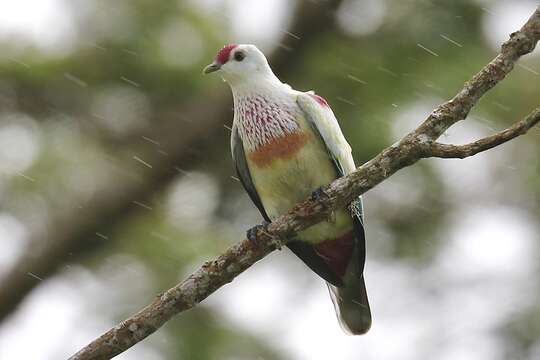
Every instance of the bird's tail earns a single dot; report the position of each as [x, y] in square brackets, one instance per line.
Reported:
[351, 304]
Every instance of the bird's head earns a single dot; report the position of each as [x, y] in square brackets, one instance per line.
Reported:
[237, 63]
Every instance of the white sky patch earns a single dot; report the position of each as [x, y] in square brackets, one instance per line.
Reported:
[293, 313]
[472, 177]
[478, 347]
[418, 313]
[259, 296]
[33, 19]
[446, 310]
[46, 317]
[361, 17]
[63, 314]
[502, 18]
[12, 240]
[401, 191]
[181, 44]
[111, 21]
[260, 22]
[121, 109]
[471, 129]
[19, 143]
[411, 115]
[535, 350]
[495, 240]
[483, 273]
[317, 336]
[192, 201]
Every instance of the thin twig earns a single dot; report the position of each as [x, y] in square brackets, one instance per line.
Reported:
[466, 150]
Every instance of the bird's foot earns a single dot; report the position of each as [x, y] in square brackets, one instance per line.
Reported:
[319, 194]
[253, 233]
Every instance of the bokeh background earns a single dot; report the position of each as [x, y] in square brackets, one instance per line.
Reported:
[116, 179]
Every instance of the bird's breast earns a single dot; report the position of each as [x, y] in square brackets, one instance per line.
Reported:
[279, 148]
[286, 170]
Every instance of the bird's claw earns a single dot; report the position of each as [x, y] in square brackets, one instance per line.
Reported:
[253, 232]
[318, 194]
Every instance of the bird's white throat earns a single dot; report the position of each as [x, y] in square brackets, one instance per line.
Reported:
[264, 112]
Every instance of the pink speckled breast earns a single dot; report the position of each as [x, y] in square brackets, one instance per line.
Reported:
[262, 120]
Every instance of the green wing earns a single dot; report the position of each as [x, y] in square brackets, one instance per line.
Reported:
[324, 124]
[242, 169]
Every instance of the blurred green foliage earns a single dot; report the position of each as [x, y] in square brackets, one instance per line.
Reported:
[122, 59]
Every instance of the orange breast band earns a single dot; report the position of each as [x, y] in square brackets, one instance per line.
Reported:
[278, 148]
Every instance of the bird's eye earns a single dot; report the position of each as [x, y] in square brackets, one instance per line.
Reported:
[239, 56]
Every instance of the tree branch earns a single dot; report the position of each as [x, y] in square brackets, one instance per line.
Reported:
[466, 150]
[520, 43]
[413, 147]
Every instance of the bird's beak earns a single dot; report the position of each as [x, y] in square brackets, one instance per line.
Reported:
[211, 68]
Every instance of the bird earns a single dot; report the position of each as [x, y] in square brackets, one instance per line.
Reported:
[286, 145]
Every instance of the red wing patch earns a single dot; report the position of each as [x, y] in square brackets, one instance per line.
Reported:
[337, 252]
[320, 100]
[223, 55]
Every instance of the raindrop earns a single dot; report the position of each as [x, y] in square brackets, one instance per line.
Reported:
[387, 71]
[102, 236]
[345, 101]
[130, 81]
[291, 34]
[352, 77]
[34, 276]
[130, 52]
[501, 106]
[528, 69]
[142, 205]
[75, 79]
[142, 161]
[19, 62]
[150, 140]
[26, 177]
[450, 40]
[426, 49]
